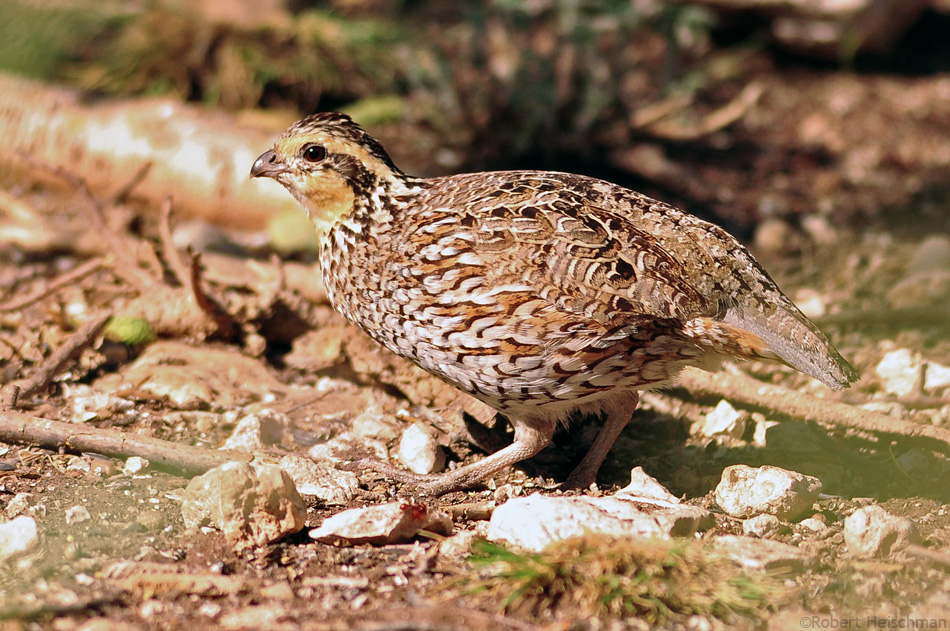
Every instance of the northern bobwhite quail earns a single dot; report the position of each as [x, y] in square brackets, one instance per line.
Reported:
[542, 294]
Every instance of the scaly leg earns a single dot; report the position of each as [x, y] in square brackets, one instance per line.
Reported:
[618, 411]
[531, 436]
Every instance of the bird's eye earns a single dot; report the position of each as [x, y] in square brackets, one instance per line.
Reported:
[314, 153]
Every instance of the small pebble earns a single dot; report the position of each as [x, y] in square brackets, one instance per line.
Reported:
[873, 532]
[77, 515]
[745, 492]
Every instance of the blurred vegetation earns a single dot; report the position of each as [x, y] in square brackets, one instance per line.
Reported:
[496, 79]
[618, 577]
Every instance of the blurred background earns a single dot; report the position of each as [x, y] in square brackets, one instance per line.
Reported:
[808, 115]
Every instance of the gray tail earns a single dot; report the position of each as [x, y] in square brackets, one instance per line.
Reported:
[797, 342]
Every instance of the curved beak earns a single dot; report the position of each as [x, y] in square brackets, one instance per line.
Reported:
[268, 165]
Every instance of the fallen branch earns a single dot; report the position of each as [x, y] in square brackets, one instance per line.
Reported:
[23, 429]
[53, 365]
[72, 276]
[738, 388]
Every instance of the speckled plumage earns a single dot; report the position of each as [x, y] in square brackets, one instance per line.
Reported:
[539, 293]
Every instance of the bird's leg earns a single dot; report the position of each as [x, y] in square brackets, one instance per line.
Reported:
[531, 436]
[618, 412]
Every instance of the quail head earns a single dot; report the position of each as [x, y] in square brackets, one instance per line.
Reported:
[542, 294]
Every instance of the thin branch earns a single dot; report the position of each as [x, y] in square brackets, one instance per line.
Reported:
[23, 429]
[122, 193]
[72, 276]
[169, 251]
[54, 364]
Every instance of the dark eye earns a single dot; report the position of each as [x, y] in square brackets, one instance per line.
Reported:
[314, 153]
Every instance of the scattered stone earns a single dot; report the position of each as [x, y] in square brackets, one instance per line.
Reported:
[725, 420]
[102, 467]
[77, 515]
[252, 504]
[347, 448]
[135, 465]
[762, 427]
[17, 536]
[745, 492]
[762, 526]
[418, 450]
[535, 521]
[684, 520]
[813, 524]
[19, 505]
[459, 545]
[89, 405]
[259, 428]
[900, 372]
[384, 524]
[810, 302]
[645, 487]
[936, 377]
[873, 532]
[370, 424]
[762, 554]
[319, 479]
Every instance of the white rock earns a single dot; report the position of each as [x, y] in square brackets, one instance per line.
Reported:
[873, 532]
[346, 448]
[370, 424]
[252, 504]
[746, 492]
[319, 479]
[936, 377]
[900, 372]
[762, 554]
[810, 302]
[535, 521]
[724, 420]
[19, 505]
[761, 526]
[77, 515]
[644, 486]
[762, 426]
[385, 524]
[418, 450]
[259, 428]
[17, 536]
[813, 524]
[135, 465]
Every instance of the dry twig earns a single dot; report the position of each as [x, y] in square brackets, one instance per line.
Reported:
[72, 276]
[54, 364]
[23, 429]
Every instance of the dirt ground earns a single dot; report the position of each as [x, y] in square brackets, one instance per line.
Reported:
[835, 179]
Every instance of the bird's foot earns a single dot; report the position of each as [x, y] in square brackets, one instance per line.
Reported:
[413, 484]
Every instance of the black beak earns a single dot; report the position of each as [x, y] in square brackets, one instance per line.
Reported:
[268, 165]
